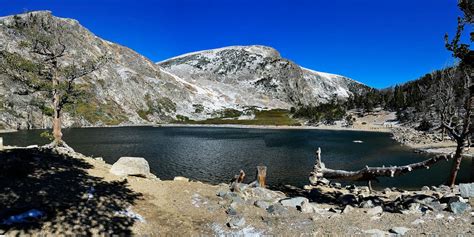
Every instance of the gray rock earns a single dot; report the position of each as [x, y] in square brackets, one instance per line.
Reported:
[417, 221]
[294, 202]
[413, 208]
[233, 197]
[351, 186]
[238, 187]
[306, 207]
[262, 204]
[136, 166]
[231, 211]
[347, 209]
[455, 199]
[459, 207]
[181, 178]
[236, 222]
[437, 206]
[375, 211]
[466, 190]
[364, 189]
[277, 209]
[336, 185]
[425, 188]
[323, 181]
[221, 193]
[332, 209]
[376, 232]
[367, 204]
[399, 230]
[259, 193]
[444, 189]
[348, 199]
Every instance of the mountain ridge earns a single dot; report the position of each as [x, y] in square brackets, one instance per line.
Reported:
[131, 89]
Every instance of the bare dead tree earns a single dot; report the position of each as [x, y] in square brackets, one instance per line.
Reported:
[368, 173]
[462, 129]
[444, 99]
[45, 39]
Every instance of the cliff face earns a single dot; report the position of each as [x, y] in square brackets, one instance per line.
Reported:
[130, 89]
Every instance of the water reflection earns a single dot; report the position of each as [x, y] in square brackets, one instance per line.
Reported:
[217, 154]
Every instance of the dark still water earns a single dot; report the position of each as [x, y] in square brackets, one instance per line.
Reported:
[216, 154]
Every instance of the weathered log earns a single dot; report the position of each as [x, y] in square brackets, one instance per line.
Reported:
[240, 178]
[369, 173]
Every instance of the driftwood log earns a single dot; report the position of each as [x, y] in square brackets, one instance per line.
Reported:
[369, 173]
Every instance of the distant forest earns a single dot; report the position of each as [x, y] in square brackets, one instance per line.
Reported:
[419, 101]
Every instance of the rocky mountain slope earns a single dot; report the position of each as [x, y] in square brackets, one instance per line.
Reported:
[257, 76]
[130, 89]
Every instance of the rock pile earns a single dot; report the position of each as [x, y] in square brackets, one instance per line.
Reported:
[335, 199]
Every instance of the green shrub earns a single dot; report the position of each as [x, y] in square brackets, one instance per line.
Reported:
[198, 108]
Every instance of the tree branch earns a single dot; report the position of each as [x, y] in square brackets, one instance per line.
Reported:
[371, 173]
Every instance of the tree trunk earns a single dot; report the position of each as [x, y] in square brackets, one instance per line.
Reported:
[456, 165]
[57, 134]
[465, 134]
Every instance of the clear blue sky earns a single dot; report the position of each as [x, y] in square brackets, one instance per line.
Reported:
[377, 42]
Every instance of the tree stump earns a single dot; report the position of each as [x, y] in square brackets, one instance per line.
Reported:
[261, 175]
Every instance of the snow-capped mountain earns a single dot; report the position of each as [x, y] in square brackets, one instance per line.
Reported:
[259, 76]
[130, 89]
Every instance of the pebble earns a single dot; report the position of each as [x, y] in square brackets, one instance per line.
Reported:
[417, 222]
[181, 178]
[236, 222]
[277, 209]
[348, 199]
[306, 208]
[425, 188]
[231, 211]
[348, 209]
[367, 204]
[375, 210]
[336, 185]
[294, 202]
[399, 230]
[261, 204]
[376, 232]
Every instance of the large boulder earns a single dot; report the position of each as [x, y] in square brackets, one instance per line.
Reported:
[136, 166]
[467, 190]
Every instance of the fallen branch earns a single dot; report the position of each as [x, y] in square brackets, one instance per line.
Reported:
[369, 173]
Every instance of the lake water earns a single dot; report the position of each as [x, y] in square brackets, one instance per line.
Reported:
[216, 154]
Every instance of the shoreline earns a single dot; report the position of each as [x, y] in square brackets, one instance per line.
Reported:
[147, 205]
[276, 127]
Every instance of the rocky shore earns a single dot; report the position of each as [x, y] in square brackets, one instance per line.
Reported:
[426, 142]
[76, 194]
